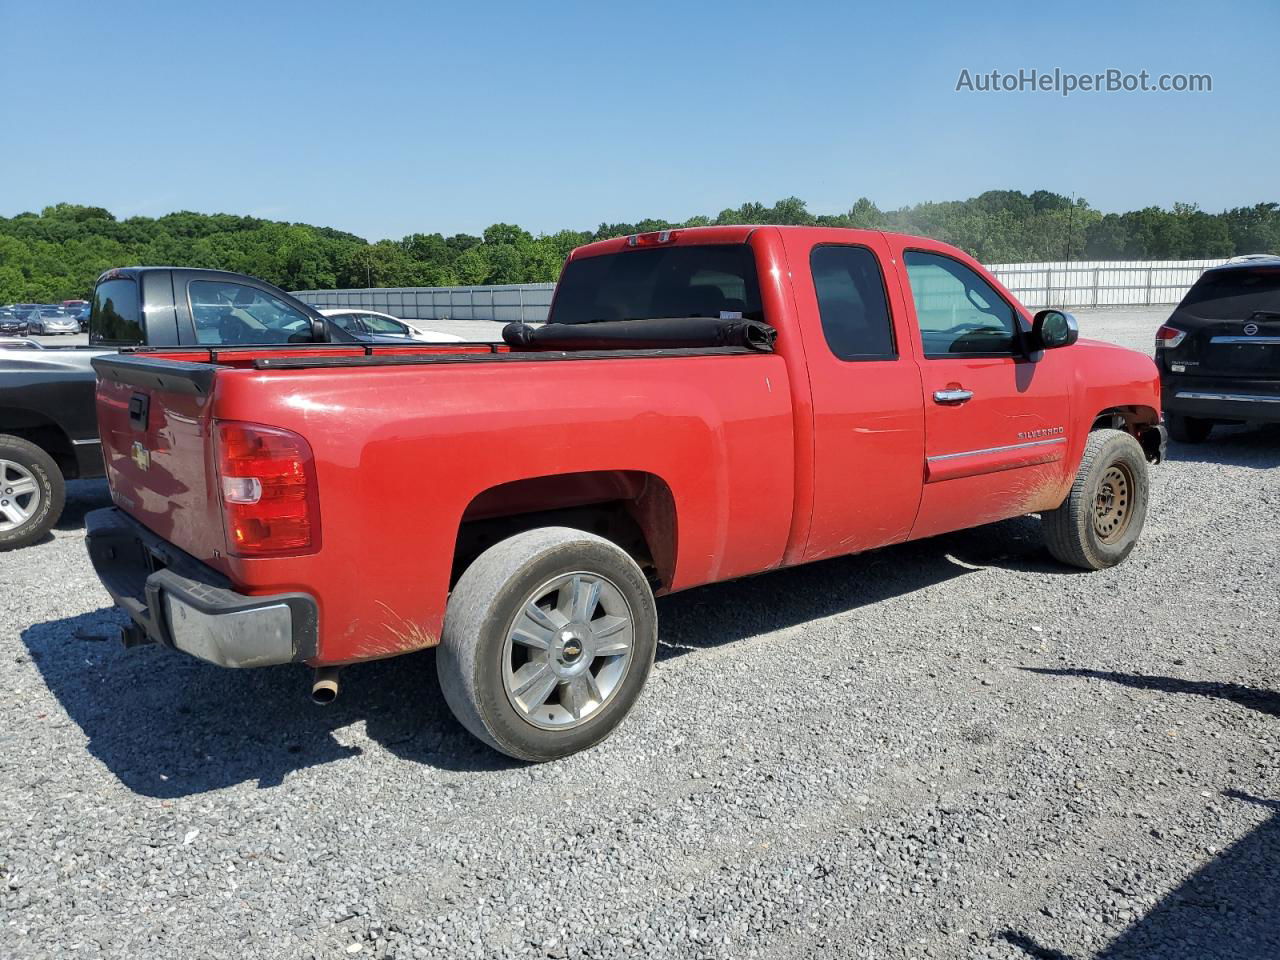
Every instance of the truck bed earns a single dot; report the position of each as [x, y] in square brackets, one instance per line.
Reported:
[411, 443]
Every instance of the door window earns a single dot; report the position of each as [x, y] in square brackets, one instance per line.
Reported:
[959, 313]
[226, 313]
[851, 302]
[376, 324]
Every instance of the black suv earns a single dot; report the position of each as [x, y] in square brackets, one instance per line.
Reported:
[1219, 352]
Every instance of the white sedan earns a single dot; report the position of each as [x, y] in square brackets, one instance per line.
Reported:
[369, 323]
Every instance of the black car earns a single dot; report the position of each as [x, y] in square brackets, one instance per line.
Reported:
[1219, 352]
[13, 324]
[48, 435]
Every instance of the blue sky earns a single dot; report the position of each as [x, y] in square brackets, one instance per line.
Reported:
[386, 118]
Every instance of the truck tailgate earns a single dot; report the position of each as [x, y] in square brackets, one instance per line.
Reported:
[155, 419]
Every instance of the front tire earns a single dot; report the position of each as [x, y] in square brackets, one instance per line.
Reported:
[1188, 429]
[1099, 523]
[32, 492]
[548, 639]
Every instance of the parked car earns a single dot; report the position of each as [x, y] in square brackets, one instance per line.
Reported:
[169, 306]
[1219, 352]
[652, 437]
[48, 435]
[13, 324]
[363, 324]
[48, 322]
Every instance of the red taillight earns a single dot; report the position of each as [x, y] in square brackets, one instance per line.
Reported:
[651, 239]
[1169, 337]
[267, 484]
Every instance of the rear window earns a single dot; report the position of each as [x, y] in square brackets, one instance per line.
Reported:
[114, 316]
[1233, 294]
[692, 281]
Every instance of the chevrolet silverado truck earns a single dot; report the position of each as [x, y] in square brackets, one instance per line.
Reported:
[703, 404]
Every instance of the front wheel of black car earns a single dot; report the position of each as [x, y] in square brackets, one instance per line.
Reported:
[1188, 429]
[1099, 523]
[548, 639]
[32, 492]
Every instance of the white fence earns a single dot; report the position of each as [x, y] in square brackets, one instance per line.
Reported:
[510, 302]
[1097, 283]
[1101, 283]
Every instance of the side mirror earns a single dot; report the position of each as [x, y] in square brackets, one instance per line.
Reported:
[319, 331]
[1052, 329]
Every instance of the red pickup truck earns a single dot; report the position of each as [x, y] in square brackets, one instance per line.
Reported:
[520, 504]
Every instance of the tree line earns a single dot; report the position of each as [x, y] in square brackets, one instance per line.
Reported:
[58, 253]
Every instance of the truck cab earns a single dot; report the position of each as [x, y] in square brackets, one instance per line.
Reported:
[182, 306]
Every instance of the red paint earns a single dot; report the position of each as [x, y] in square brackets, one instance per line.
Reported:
[733, 464]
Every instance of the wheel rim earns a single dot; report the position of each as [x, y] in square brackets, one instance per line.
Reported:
[1113, 506]
[568, 650]
[19, 495]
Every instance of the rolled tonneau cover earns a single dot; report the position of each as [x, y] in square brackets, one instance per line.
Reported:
[665, 332]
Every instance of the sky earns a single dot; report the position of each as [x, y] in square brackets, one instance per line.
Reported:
[390, 118]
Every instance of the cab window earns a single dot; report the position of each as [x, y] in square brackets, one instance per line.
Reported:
[226, 313]
[851, 302]
[959, 313]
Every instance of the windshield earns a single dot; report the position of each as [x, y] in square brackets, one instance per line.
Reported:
[1234, 294]
[690, 281]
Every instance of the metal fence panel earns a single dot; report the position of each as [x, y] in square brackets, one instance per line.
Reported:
[1080, 283]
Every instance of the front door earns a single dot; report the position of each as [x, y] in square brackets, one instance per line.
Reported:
[996, 418]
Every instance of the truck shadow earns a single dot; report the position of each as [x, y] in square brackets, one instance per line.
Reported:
[719, 614]
[1227, 908]
[167, 725]
[82, 496]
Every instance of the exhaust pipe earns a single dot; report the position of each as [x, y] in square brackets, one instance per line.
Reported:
[324, 690]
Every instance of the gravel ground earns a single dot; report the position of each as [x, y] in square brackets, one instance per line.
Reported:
[948, 749]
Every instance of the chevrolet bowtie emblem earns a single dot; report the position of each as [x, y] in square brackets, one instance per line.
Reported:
[140, 455]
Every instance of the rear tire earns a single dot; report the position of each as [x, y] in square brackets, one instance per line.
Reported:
[32, 492]
[518, 661]
[1188, 429]
[1099, 523]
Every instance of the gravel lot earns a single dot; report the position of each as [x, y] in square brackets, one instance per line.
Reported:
[947, 749]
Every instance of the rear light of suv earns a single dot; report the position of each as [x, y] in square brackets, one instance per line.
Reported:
[267, 483]
[1168, 337]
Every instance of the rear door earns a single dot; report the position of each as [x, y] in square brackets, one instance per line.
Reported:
[868, 417]
[996, 419]
[1232, 321]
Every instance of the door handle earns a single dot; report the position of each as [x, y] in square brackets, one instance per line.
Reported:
[952, 396]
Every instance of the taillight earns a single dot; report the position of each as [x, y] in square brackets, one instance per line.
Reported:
[1169, 337]
[267, 484]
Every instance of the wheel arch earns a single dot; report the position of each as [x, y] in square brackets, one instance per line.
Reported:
[1140, 421]
[45, 433]
[634, 509]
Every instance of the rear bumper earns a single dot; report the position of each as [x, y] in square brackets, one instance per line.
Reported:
[1219, 399]
[175, 600]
